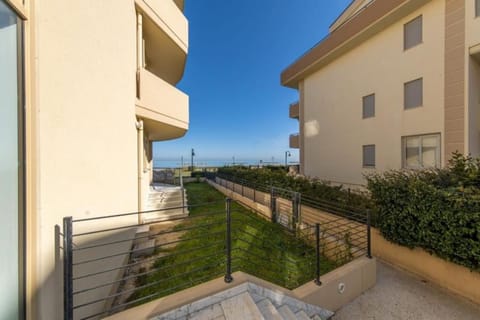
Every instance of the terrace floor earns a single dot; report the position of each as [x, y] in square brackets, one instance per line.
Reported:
[401, 295]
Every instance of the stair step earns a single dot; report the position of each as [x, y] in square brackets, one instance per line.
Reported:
[143, 248]
[301, 315]
[141, 234]
[211, 312]
[286, 313]
[164, 215]
[241, 307]
[268, 310]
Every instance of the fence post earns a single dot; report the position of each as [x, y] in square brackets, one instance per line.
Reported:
[183, 199]
[317, 247]
[228, 274]
[273, 205]
[67, 268]
[295, 209]
[369, 239]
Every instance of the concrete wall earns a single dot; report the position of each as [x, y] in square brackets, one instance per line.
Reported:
[334, 230]
[451, 276]
[357, 276]
[333, 128]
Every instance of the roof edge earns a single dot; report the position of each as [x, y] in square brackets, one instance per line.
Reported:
[373, 15]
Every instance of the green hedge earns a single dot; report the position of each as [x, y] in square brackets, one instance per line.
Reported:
[314, 190]
[438, 210]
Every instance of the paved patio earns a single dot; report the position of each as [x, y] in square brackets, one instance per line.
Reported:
[400, 295]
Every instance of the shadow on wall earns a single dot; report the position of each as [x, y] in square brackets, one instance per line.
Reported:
[97, 261]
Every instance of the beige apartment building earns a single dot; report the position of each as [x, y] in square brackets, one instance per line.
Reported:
[395, 84]
[85, 87]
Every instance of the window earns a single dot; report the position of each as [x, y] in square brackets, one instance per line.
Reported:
[11, 165]
[421, 151]
[412, 33]
[413, 94]
[369, 106]
[477, 8]
[369, 156]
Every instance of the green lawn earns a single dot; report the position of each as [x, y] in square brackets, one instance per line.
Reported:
[259, 248]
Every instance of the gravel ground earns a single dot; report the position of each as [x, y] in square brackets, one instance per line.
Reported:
[400, 295]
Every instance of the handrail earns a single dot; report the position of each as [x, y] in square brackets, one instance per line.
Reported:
[232, 247]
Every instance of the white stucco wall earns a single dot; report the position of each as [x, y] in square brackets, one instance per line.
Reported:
[86, 135]
[333, 126]
[472, 82]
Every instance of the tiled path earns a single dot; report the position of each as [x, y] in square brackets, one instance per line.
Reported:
[402, 296]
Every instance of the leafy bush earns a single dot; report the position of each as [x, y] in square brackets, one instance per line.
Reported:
[313, 190]
[438, 210]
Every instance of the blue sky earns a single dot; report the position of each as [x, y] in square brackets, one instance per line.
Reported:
[237, 51]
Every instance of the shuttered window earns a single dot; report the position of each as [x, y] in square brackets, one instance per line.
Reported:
[369, 156]
[413, 94]
[368, 110]
[412, 33]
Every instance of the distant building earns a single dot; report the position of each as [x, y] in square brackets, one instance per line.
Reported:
[85, 87]
[395, 84]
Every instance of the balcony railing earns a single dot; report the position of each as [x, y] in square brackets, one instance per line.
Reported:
[294, 110]
[164, 108]
[167, 15]
[295, 141]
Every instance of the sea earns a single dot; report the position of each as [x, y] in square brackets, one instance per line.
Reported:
[215, 163]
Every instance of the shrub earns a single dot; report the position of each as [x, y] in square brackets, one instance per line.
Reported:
[313, 190]
[438, 210]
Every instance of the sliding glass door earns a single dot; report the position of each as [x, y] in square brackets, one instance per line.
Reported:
[11, 166]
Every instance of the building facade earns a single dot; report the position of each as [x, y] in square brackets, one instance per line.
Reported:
[395, 84]
[85, 87]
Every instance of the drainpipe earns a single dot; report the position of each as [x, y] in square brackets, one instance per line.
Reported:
[139, 125]
[140, 51]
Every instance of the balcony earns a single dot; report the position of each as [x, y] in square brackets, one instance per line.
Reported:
[295, 141]
[165, 37]
[162, 107]
[294, 110]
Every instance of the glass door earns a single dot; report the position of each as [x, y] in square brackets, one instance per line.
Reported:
[11, 166]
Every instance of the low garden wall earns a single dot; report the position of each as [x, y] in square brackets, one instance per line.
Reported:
[448, 275]
[451, 276]
[334, 229]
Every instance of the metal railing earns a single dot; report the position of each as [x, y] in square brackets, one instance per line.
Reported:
[344, 231]
[106, 269]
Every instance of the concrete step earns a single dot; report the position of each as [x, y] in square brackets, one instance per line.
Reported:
[301, 315]
[163, 215]
[247, 301]
[268, 310]
[286, 313]
[144, 248]
[241, 307]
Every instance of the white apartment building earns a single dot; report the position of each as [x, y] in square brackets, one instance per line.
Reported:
[85, 87]
[395, 84]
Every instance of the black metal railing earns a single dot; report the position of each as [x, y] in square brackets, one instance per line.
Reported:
[112, 263]
[343, 232]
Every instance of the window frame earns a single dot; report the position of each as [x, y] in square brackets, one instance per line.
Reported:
[363, 106]
[405, 26]
[365, 165]
[438, 153]
[405, 94]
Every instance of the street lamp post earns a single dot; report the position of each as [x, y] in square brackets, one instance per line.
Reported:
[287, 154]
[193, 154]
